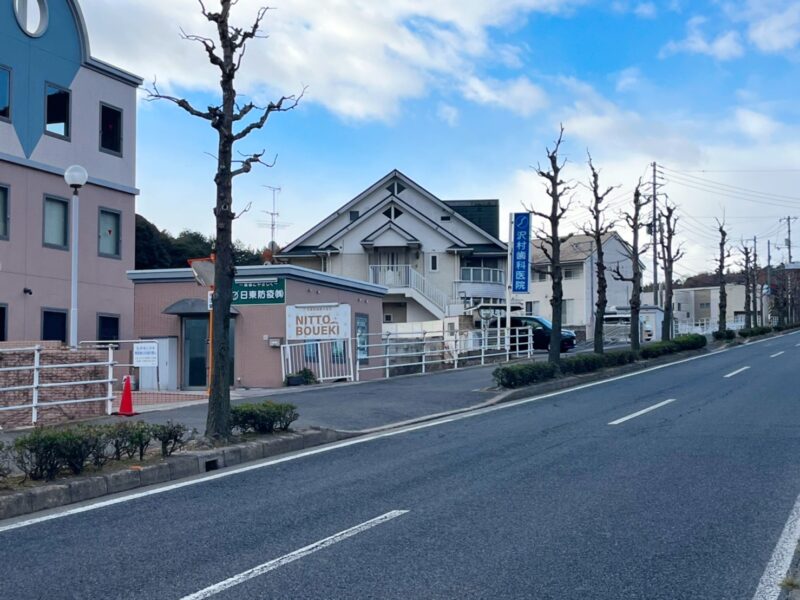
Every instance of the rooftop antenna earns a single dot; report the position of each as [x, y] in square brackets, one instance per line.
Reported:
[273, 224]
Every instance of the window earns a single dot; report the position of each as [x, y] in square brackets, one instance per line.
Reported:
[3, 213]
[542, 276]
[5, 93]
[387, 318]
[108, 233]
[110, 129]
[54, 325]
[567, 311]
[445, 217]
[311, 351]
[353, 215]
[572, 273]
[393, 212]
[705, 305]
[57, 111]
[3, 322]
[56, 223]
[532, 308]
[107, 327]
[434, 262]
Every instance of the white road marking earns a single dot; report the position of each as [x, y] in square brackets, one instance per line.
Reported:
[292, 556]
[769, 587]
[641, 412]
[736, 372]
[58, 513]
[777, 354]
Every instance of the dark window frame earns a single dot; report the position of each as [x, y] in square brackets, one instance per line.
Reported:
[58, 136]
[64, 311]
[4, 323]
[101, 210]
[10, 88]
[354, 215]
[434, 259]
[67, 226]
[7, 217]
[102, 148]
[108, 316]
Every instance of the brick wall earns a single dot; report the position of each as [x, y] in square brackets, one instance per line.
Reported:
[52, 354]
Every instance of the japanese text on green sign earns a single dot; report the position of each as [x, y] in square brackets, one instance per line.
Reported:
[259, 292]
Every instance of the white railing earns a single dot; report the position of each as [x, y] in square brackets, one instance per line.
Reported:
[405, 353]
[329, 360]
[403, 276]
[482, 275]
[36, 385]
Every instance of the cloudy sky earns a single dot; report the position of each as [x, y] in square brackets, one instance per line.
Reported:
[464, 96]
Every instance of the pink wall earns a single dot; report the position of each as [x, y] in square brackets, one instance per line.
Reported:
[256, 364]
[26, 263]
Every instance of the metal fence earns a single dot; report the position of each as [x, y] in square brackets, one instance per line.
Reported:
[36, 386]
[405, 353]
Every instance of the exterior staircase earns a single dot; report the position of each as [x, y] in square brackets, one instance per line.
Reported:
[402, 279]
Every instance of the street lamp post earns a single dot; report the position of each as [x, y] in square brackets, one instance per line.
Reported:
[76, 177]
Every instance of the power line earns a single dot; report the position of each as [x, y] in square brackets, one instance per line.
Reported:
[731, 195]
[710, 182]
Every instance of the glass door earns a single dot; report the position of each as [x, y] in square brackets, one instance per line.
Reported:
[195, 352]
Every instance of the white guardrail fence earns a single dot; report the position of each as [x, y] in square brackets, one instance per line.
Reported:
[404, 353]
[36, 386]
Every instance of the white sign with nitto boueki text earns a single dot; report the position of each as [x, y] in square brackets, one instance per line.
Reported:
[318, 322]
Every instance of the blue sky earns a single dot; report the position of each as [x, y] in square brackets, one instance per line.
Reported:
[464, 96]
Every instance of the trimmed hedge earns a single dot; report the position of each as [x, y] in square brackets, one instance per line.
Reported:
[263, 418]
[754, 331]
[728, 334]
[691, 341]
[45, 453]
[514, 376]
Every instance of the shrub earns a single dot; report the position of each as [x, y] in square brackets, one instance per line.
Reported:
[754, 331]
[691, 341]
[657, 349]
[130, 439]
[259, 418]
[171, 435]
[74, 449]
[582, 363]
[617, 358]
[287, 414]
[5, 458]
[728, 334]
[514, 376]
[97, 440]
[38, 454]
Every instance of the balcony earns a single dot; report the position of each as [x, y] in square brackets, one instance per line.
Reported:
[480, 282]
[404, 277]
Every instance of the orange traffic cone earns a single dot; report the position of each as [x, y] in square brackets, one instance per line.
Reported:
[126, 405]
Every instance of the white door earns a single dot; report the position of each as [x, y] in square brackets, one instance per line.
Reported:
[165, 377]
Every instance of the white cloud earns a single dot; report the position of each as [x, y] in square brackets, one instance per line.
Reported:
[755, 124]
[447, 113]
[361, 59]
[628, 79]
[518, 95]
[645, 10]
[776, 31]
[725, 46]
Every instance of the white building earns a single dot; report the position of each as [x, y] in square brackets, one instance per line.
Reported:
[578, 260]
[697, 309]
[436, 257]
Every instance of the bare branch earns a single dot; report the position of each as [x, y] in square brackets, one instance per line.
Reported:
[248, 162]
[293, 101]
[154, 94]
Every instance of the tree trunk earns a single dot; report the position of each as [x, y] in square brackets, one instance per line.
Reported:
[666, 325]
[602, 296]
[723, 294]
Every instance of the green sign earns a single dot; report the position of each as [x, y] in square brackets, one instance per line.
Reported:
[264, 291]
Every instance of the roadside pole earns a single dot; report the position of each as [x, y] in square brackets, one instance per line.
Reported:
[509, 258]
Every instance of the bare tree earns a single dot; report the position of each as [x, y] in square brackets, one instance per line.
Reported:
[233, 122]
[724, 255]
[746, 264]
[597, 230]
[634, 221]
[669, 256]
[551, 239]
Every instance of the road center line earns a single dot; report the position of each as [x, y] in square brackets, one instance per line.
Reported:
[641, 412]
[736, 372]
[777, 354]
[292, 556]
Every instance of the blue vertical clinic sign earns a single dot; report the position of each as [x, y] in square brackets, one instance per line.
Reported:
[520, 265]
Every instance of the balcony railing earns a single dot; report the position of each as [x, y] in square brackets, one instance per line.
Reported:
[403, 276]
[482, 275]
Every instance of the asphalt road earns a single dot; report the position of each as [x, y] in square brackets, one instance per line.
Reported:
[544, 499]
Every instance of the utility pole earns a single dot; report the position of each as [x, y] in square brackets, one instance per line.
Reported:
[655, 234]
[759, 320]
[790, 279]
[769, 277]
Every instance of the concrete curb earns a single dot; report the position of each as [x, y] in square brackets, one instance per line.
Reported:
[178, 466]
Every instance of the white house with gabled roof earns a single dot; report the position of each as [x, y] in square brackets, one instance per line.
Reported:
[437, 257]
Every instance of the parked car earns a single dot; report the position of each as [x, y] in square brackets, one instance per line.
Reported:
[541, 333]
